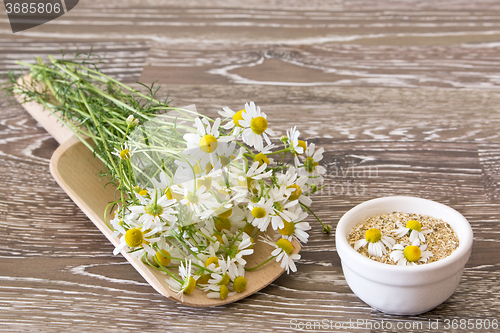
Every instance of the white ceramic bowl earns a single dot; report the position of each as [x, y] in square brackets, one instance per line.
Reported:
[404, 290]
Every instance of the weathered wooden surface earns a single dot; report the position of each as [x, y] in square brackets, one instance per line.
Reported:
[402, 95]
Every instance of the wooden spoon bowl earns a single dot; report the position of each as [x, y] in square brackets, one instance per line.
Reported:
[76, 170]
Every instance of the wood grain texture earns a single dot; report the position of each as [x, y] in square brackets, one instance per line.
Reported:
[402, 64]
[122, 59]
[403, 95]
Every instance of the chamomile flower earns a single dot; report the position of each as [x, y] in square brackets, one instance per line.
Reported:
[166, 254]
[237, 219]
[297, 184]
[210, 265]
[164, 182]
[210, 251]
[228, 221]
[281, 206]
[228, 152]
[310, 166]
[239, 282]
[298, 146]
[241, 249]
[135, 238]
[221, 274]
[125, 152]
[409, 255]
[414, 228]
[261, 213]
[283, 252]
[176, 192]
[262, 158]
[203, 145]
[185, 174]
[200, 201]
[223, 223]
[255, 127]
[122, 221]
[234, 122]
[376, 242]
[132, 121]
[188, 282]
[248, 181]
[257, 172]
[296, 228]
[218, 291]
[155, 212]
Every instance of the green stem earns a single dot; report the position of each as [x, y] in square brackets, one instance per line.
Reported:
[317, 218]
[279, 151]
[260, 265]
[98, 125]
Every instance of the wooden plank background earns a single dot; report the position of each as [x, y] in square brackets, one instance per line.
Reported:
[403, 95]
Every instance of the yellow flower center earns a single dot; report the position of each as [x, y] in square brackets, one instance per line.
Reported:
[288, 229]
[240, 284]
[134, 237]
[168, 193]
[249, 229]
[226, 214]
[208, 167]
[261, 158]
[224, 160]
[154, 209]
[163, 257]
[207, 182]
[225, 280]
[223, 292]
[412, 253]
[309, 164]
[258, 125]
[208, 143]
[296, 193]
[303, 145]
[143, 193]
[414, 225]
[278, 206]
[251, 241]
[192, 198]
[258, 212]
[373, 235]
[285, 245]
[237, 117]
[244, 182]
[175, 195]
[191, 284]
[221, 224]
[125, 154]
[212, 260]
[197, 169]
[219, 237]
[203, 279]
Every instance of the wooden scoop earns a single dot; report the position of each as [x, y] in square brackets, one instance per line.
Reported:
[76, 170]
